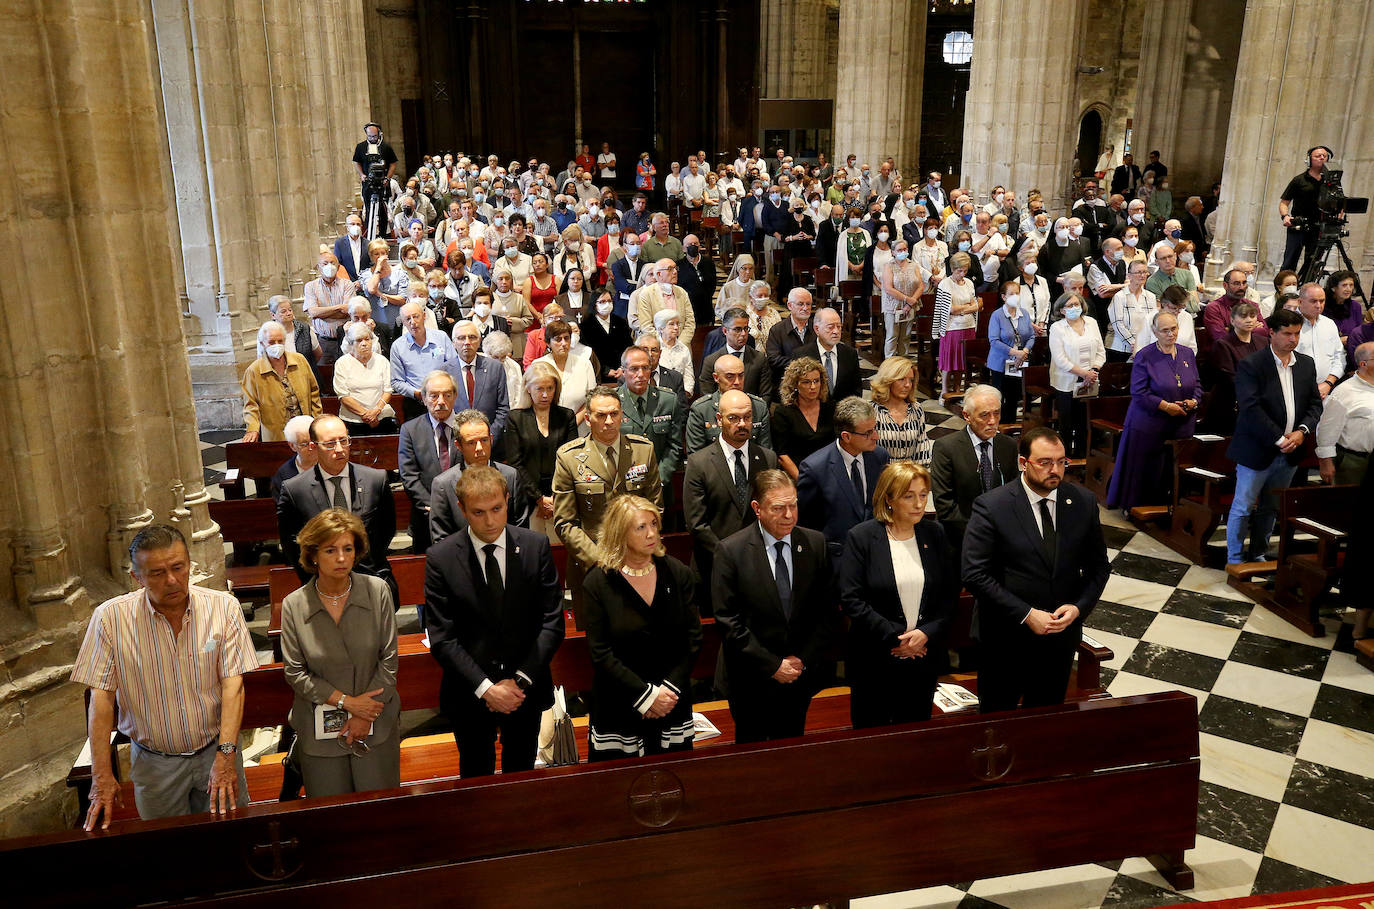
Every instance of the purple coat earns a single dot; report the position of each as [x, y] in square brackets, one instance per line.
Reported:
[1138, 477]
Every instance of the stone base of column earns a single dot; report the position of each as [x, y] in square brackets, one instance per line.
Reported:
[218, 394]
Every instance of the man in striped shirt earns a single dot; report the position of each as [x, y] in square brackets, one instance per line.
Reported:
[172, 657]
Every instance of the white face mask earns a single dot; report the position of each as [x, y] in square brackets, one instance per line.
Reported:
[354, 230]
[482, 310]
[573, 245]
[1076, 231]
[759, 302]
[1030, 268]
[1186, 258]
[665, 286]
[882, 236]
[329, 270]
[932, 233]
[1062, 233]
[604, 309]
[411, 263]
[275, 351]
[1013, 300]
[1131, 241]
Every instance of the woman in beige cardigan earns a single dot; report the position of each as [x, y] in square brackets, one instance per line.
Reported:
[277, 386]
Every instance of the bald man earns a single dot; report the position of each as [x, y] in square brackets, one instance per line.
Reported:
[703, 425]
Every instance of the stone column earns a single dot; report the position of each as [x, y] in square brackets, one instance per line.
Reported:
[878, 95]
[793, 58]
[1275, 119]
[1020, 123]
[1163, 52]
[99, 430]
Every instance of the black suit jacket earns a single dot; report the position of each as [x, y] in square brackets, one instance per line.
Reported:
[757, 634]
[781, 345]
[306, 495]
[419, 458]
[284, 473]
[848, 379]
[956, 478]
[829, 502]
[869, 596]
[343, 251]
[758, 378]
[1195, 232]
[1262, 414]
[1122, 178]
[607, 346]
[700, 283]
[712, 509]
[531, 452]
[1006, 568]
[471, 640]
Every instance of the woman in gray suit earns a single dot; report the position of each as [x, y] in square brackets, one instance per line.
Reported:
[339, 647]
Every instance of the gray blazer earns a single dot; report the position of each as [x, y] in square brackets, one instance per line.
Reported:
[445, 517]
[355, 656]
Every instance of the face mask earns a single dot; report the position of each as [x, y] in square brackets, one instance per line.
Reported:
[330, 270]
[968, 218]
[479, 198]
[1249, 279]
[408, 209]
[1137, 218]
[665, 287]
[540, 212]
[592, 211]
[354, 230]
[1186, 258]
[1013, 300]
[1176, 234]
[604, 309]
[1076, 231]
[435, 293]
[482, 310]
[632, 249]
[932, 233]
[692, 250]
[758, 193]
[573, 245]
[1030, 268]
[1002, 228]
[275, 351]
[900, 255]
[882, 236]
[964, 245]
[1115, 256]
[1132, 242]
[759, 302]
[612, 228]
[775, 198]
[411, 263]
[497, 221]
[1072, 312]
[1062, 233]
[815, 204]
[998, 198]
[934, 184]
[512, 252]
[853, 222]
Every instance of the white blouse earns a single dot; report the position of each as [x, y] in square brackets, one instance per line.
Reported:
[369, 384]
[1068, 348]
[911, 576]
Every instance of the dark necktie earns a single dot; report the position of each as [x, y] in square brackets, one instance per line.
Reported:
[496, 589]
[1047, 530]
[741, 477]
[784, 580]
[445, 461]
[340, 500]
[985, 465]
[858, 482]
[469, 383]
[653, 377]
[639, 406]
[830, 370]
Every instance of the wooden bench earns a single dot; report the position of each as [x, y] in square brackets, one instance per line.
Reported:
[331, 404]
[261, 459]
[1306, 571]
[826, 817]
[1204, 479]
[1106, 421]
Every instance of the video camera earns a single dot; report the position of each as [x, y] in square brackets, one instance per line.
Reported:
[1333, 207]
[376, 176]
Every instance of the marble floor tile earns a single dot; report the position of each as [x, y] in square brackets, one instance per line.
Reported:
[1191, 635]
[1235, 818]
[1146, 545]
[1124, 684]
[1211, 581]
[1220, 871]
[1334, 793]
[1338, 746]
[1169, 664]
[1342, 670]
[1280, 691]
[1118, 537]
[1275, 876]
[1243, 767]
[1345, 707]
[1285, 656]
[1146, 568]
[1133, 592]
[1325, 845]
[1121, 645]
[926, 898]
[1252, 723]
[1128, 892]
[1120, 620]
[1208, 608]
[1264, 622]
[977, 902]
[1059, 888]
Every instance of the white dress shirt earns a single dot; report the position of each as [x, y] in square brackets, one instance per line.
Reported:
[1322, 342]
[1347, 418]
[1286, 386]
[849, 462]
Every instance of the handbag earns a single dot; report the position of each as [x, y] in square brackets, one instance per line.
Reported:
[557, 738]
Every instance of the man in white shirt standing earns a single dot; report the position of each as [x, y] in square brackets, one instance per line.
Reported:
[1345, 433]
[1320, 340]
[606, 162]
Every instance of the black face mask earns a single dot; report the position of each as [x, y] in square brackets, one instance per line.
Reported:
[692, 250]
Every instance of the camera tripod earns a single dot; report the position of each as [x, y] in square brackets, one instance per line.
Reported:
[374, 216]
[1327, 240]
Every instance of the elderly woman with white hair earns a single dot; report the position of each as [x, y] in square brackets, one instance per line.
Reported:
[362, 380]
[763, 315]
[360, 310]
[497, 345]
[735, 291]
[1034, 290]
[676, 355]
[300, 335]
[277, 386]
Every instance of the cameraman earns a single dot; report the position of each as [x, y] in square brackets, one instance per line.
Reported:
[1299, 201]
[372, 150]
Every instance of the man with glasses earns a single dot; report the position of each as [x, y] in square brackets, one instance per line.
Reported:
[703, 424]
[335, 483]
[1036, 563]
[758, 377]
[836, 482]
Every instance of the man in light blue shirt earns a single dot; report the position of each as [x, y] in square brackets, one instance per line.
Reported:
[414, 355]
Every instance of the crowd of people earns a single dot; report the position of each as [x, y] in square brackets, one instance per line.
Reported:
[532, 350]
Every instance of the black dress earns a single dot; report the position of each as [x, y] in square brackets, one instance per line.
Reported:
[531, 452]
[635, 646]
[793, 435]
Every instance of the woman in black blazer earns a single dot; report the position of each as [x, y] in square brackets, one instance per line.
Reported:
[532, 437]
[899, 586]
[643, 634]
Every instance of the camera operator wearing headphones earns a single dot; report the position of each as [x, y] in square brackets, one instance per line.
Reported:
[371, 151]
[1299, 204]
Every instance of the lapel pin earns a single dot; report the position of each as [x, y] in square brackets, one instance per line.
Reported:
[1068, 501]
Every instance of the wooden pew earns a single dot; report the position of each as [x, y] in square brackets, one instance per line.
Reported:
[1106, 419]
[261, 459]
[1204, 478]
[1306, 571]
[827, 817]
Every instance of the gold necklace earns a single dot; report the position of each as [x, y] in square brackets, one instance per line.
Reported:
[636, 572]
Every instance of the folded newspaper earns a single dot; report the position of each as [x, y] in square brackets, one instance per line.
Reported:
[951, 698]
[703, 728]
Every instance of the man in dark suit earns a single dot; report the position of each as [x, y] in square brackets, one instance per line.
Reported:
[625, 275]
[335, 483]
[1279, 407]
[758, 377]
[495, 619]
[1194, 228]
[696, 274]
[473, 435]
[839, 362]
[791, 333]
[297, 433]
[351, 248]
[1036, 563]
[1126, 178]
[428, 446]
[605, 333]
[716, 489]
[836, 482]
[481, 381]
[775, 635]
[828, 234]
[964, 465]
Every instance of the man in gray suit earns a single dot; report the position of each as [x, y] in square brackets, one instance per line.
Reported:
[481, 380]
[473, 433]
[335, 483]
[428, 446]
[966, 464]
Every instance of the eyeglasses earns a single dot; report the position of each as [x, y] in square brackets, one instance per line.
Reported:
[871, 434]
[1047, 463]
[735, 419]
[334, 444]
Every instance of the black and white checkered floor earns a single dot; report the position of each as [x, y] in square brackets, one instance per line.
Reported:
[1287, 721]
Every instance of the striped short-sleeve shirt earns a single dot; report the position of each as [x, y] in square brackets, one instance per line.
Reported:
[167, 685]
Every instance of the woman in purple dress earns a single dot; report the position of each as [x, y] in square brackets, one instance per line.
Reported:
[1164, 396]
[1342, 306]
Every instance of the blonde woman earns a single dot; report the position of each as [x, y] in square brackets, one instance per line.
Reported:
[574, 252]
[901, 422]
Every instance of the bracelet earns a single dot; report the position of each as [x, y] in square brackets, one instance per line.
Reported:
[340, 705]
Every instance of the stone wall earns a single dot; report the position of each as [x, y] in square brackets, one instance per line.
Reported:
[393, 68]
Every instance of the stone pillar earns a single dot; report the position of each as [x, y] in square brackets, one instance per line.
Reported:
[99, 429]
[1275, 119]
[1020, 123]
[793, 58]
[878, 95]
[1163, 51]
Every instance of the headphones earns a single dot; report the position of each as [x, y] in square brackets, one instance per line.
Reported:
[1329, 153]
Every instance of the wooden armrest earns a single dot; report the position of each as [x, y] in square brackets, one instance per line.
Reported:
[231, 478]
[1091, 655]
[1091, 648]
[1316, 529]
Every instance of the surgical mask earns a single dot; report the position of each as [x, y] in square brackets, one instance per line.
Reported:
[435, 293]
[815, 204]
[900, 255]
[1002, 227]
[592, 211]
[604, 309]
[1137, 217]
[758, 192]
[411, 263]
[573, 245]
[1250, 279]
[665, 287]
[330, 270]
[759, 302]
[1030, 268]
[1012, 301]
[1072, 312]
[910, 204]
[932, 233]
[479, 198]
[882, 236]
[964, 245]
[354, 230]
[1131, 241]
[612, 228]
[497, 221]
[1186, 258]
[632, 249]
[540, 212]
[998, 198]
[1116, 256]
[512, 252]
[482, 310]
[1062, 233]
[275, 351]
[775, 197]
[1076, 231]
[853, 222]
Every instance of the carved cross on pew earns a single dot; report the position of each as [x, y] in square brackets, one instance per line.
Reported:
[655, 798]
[277, 849]
[992, 760]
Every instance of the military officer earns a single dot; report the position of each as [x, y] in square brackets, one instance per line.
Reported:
[702, 428]
[651, 412]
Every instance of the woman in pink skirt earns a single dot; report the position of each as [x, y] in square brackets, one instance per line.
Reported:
[956, 317]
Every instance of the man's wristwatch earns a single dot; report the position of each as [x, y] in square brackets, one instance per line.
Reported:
[523, 683]
[228, 747]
